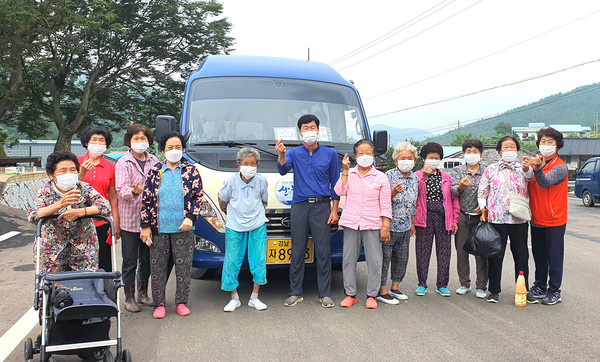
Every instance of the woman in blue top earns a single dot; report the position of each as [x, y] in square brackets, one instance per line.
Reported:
[170, 206]
[244, 196]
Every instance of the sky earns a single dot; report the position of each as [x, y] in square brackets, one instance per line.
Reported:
[405, 54]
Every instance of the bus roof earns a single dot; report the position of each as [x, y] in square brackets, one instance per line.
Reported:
[257, 66]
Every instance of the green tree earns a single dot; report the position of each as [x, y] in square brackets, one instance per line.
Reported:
[460, 138]
[111, 62]
[503, 129]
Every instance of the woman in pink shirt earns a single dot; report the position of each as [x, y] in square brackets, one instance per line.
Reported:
[365, 219]
[437, 215]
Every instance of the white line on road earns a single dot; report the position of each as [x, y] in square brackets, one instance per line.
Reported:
[13, 337]
[9, 235]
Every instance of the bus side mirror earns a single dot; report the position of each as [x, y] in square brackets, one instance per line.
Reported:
[380, 139]
[164, 124]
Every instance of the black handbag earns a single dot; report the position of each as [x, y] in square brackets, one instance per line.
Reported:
[484, 241]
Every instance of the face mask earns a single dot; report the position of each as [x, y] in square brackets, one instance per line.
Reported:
[365, 160]
[174, 156]
[96, 150]
[140, 147]
[433, 164]
[509, 156]
[547, 151]
[406, 165]
[472, 158]
[309, 137]
[248, 171]
[66, 181]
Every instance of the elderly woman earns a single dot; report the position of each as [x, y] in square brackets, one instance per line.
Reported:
[100, 173]
[497, 182]
[130, 176]
[67, 243]
[437, 215]
[465, 185]
[170, 206]
[405, 187]
[548, 200]
[365, 219]
[244, 196]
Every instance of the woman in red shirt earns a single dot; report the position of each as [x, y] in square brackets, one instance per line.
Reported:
[100, 173]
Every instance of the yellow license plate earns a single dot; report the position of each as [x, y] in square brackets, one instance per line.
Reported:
[279, 251]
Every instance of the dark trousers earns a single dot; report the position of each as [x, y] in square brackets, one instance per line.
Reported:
[104, 250]
[310, 219]
[136, 257]
[548, 248]
[518, 247]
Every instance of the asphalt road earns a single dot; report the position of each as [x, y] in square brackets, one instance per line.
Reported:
[423, 328]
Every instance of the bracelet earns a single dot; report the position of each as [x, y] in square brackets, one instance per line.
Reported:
[344, 174]
[85, 211]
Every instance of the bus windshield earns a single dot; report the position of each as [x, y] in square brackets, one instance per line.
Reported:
[254, 109]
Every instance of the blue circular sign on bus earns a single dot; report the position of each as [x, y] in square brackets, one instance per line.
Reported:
[284, 190]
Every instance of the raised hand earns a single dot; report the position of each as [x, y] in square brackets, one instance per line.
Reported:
[280, 147]
[346, 163]
[525, 164]
[70, 198]
[398, 187]
[427, 171]
[464, 182]
[537, 163]
[136, 189]
[86, 166]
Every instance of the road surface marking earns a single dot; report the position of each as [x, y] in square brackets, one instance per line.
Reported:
[13, 337]
[9, 235]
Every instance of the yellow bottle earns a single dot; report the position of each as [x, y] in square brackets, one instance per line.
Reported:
[521, 291]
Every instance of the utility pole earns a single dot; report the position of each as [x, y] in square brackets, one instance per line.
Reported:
[458, 127]
[308, 53]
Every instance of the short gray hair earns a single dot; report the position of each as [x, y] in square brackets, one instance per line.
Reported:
[403, 146]
[247, 152]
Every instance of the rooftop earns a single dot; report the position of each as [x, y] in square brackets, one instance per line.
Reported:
[581, 146]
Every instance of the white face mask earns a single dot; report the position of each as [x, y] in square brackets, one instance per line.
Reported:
[174, 156]
[433, 164]
[140, 147]
[472, 158]
[67, 181]
[547, 151]
[248, 171]
[509, 156]
[365, 160]
[96, 150]
[309, 137]
[406, 165]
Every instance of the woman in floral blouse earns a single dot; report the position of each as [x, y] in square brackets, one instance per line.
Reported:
[170, 206]
[67, 243]
[497, 182]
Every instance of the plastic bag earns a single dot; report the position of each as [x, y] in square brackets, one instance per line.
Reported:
[484, 241]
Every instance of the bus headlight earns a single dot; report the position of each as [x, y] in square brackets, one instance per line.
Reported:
[211, 214]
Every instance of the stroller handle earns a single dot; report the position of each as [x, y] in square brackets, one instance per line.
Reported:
[81, 275]
[44, 219]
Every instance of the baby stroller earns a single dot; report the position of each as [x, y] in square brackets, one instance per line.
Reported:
[76, 310]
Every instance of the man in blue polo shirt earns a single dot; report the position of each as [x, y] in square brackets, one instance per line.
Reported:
[316, 170]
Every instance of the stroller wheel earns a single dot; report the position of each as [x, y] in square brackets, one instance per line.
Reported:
[126, 356]
[28, 349]
[108, 357]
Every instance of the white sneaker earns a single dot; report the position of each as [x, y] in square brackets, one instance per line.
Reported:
[257, 304]
[480, 293]
[463, 290]
[399, 295]
[232, 305]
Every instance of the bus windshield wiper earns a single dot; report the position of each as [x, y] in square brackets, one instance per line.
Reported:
[237, 144]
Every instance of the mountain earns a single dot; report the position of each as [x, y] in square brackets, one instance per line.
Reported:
[579, 106]
[398, 135]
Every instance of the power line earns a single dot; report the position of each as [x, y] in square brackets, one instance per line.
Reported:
[487, 89]
[389, 34]
[411, 37]
[489, 117]
[484, 57]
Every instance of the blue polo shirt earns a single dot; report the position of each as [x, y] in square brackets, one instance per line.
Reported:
[314, 176]
[170, 200]
[245, 209]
